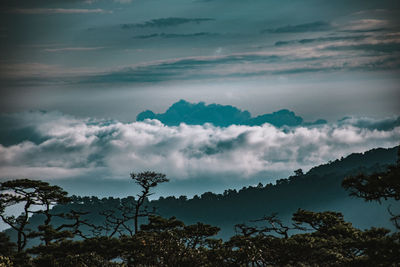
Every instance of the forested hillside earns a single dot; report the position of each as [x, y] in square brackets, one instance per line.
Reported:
[87, 231]
[318, 190]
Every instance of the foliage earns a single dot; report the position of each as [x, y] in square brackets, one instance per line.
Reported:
[313, 239]
[146, 180]
[377, 186]
[33, 195]
[168, 242]
[6, 246]
[5, 262]
[117, 219]
[332, 242]
[102, 249]
[320, 185]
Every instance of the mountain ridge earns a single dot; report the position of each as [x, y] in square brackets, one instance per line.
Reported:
[318, 190]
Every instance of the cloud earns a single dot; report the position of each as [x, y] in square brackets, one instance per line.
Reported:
[38, 73]
[72, 49]
[387, 47]
[64, 146]
[306, 27]
[372, 52]
[199, 113]
[387, 124]
[321, 39]
[329, 57]
[39, 11]
[165, 22]
[179, 69]
[123, 1]
[220, 115]
[175, 35]
[366, 25]
[245, 66]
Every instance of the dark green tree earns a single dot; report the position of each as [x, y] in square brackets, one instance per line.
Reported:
[7, 247]
[298, 172]
[37, 197]
[119, 219]
[96, 251]
[377, 186]
[316, 239]
[169, 242]
[146, 180]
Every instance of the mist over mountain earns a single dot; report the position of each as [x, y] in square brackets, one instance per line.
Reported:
[318, 190]
[222, 116]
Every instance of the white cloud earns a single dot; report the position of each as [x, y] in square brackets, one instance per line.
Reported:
[366, 24]
[75, 147]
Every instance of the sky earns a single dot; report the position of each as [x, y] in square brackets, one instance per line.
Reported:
[74, 75]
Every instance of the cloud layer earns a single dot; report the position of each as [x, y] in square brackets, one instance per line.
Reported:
[306, 27]
[165, 22]
[53, 145]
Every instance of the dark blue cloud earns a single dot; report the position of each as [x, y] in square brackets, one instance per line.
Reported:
[306, 27]
[165, 22]
[199, 113]
[166, 71]
[175, 35]
[389, 47]
[198, 68]
[278, 119]
[220, 115]
[371, 124]
[366, 30]
[222, 146]
[322, 39]
[14, 131]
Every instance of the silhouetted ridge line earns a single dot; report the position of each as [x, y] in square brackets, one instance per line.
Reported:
[318, 189]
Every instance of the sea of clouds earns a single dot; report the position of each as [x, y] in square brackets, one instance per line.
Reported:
[52, 145]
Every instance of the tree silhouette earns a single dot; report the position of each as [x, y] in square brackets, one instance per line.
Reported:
[36, 197]
[298, 172]
[146, 180]
[6, 246]
[117, 219]
[169, 242]
[377, 186]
